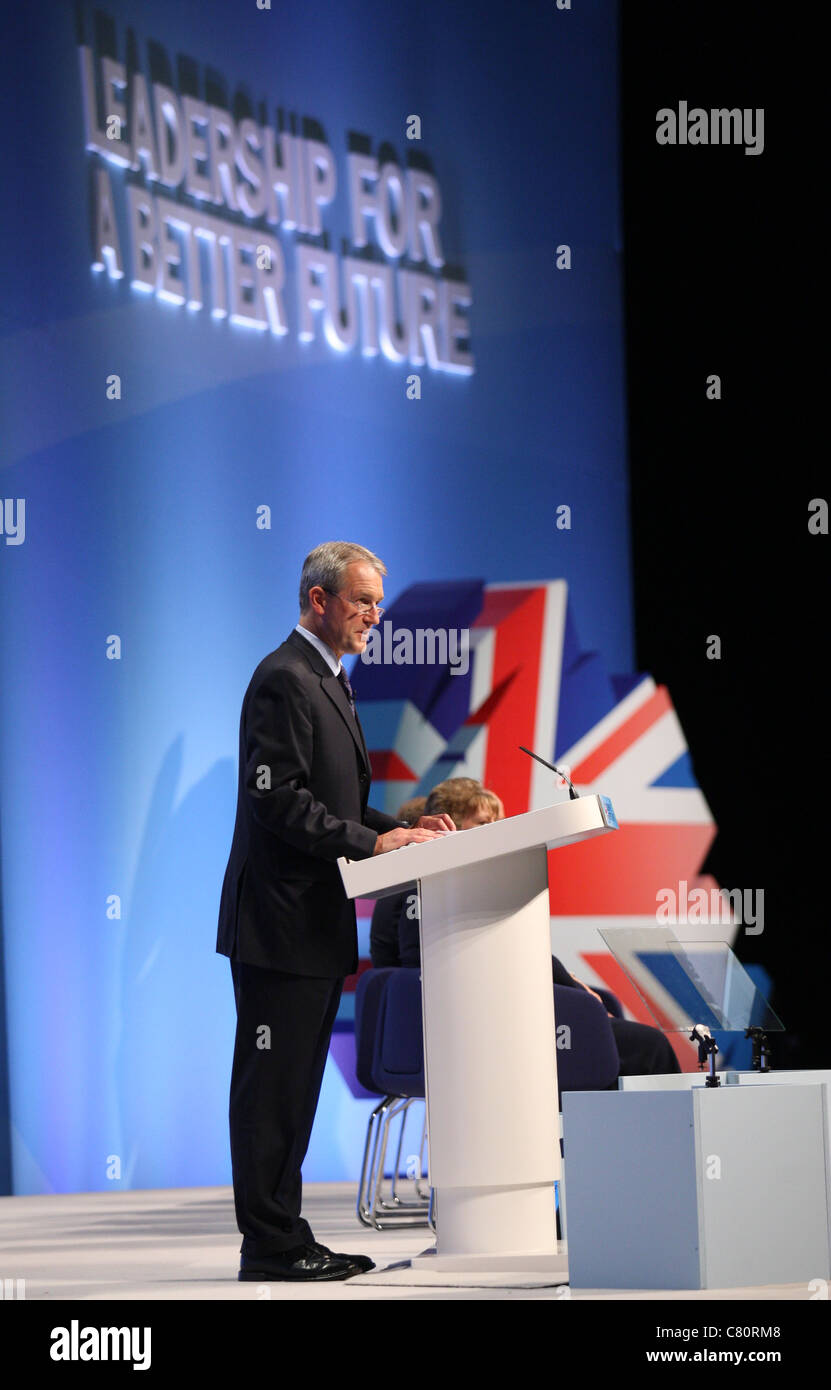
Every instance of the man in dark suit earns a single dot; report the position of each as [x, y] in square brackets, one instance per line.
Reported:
[284, 919]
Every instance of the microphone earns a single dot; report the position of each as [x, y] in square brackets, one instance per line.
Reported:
[573, 795]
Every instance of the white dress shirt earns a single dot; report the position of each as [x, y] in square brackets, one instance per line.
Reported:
[326, 652]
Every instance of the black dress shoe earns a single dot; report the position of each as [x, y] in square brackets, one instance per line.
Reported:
[363, 1262]
[304, 1262]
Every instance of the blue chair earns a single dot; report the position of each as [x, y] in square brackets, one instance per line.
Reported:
[389, 1031]
[398, 1064]
[587, 1057]
[369, 993]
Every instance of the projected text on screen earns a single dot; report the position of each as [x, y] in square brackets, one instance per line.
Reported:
[203, 196]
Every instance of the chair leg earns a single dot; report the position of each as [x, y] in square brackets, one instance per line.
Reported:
[398, 1106]
[367, 1179]
[405, 1207]
[377, 1203]
[396, 1167]
[360, 1204]
[386, 1214]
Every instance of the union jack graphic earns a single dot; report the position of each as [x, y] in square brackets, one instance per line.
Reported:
[529, 682]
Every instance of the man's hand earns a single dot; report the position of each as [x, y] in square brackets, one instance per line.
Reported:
[414, 835]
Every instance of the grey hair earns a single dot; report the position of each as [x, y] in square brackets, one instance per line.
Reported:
[327, 564]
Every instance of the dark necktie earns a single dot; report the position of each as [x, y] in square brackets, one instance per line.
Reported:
[347, 689]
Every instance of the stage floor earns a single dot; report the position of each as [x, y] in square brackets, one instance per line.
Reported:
[184, 1244]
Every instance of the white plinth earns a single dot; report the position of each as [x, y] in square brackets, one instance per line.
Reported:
[489, 1039]
[697, 1189]
[491, 1058]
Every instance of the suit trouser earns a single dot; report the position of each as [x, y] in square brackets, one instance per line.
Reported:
[275, 1085]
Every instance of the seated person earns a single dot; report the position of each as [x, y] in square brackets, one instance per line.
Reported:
[643, 1051]
[393, 933]
[383, 931]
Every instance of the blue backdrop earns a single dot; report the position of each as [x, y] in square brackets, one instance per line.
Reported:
[141, 522]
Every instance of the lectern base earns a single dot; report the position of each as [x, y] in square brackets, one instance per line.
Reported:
[490, 1042]
[500, 1271]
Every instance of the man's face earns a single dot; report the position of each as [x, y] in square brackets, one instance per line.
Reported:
[343, 627]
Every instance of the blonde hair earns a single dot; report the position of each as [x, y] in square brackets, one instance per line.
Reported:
[461, 797]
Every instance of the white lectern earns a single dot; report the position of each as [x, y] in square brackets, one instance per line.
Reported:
[489, 1036]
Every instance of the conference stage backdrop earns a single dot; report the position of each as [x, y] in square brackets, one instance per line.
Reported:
[274, 275]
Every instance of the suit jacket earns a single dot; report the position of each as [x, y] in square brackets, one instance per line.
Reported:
[393, 935]
[303, 786]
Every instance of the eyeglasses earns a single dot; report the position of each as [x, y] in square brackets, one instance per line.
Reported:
[360, 605]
